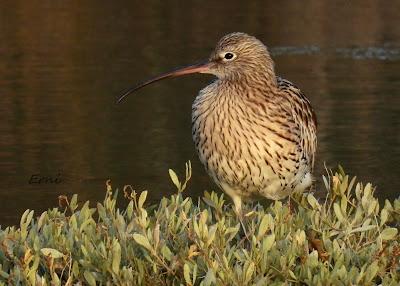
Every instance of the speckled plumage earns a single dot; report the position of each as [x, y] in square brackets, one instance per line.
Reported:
[254, 132]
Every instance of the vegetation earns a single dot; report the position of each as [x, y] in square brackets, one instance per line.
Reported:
[345, 239]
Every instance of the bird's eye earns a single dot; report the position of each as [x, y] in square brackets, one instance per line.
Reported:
[229, 56]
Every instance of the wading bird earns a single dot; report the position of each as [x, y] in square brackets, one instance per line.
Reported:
[254, 132]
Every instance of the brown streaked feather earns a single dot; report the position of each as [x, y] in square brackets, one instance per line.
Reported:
[309, 119]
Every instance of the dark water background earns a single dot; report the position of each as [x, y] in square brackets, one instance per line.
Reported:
[62, 63]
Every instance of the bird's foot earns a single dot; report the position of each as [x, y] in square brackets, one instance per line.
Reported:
[241, 219]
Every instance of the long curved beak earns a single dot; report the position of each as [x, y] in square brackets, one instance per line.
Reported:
[202, 67]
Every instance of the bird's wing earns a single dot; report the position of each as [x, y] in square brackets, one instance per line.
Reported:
[303, 115]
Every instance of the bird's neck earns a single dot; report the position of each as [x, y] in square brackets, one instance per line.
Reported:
[259, 82]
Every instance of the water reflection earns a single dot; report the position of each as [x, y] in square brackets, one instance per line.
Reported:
[60, 74]
[360, 53]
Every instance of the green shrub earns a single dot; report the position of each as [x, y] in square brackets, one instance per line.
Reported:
[345, 239]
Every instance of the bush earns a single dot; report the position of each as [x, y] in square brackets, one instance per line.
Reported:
[345, 239]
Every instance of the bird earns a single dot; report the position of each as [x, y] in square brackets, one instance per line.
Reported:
[254, 131]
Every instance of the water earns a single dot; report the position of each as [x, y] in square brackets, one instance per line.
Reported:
[63, 64]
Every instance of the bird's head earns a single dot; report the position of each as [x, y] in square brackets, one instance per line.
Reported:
[239, 54]
[236, 55]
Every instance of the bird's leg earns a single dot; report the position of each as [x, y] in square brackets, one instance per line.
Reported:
[237, 201]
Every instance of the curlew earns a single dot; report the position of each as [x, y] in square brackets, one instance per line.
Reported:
[254, 132]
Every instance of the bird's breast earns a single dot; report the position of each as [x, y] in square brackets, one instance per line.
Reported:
[241, 148]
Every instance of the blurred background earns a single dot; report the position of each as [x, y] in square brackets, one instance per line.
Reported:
[63, 63]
